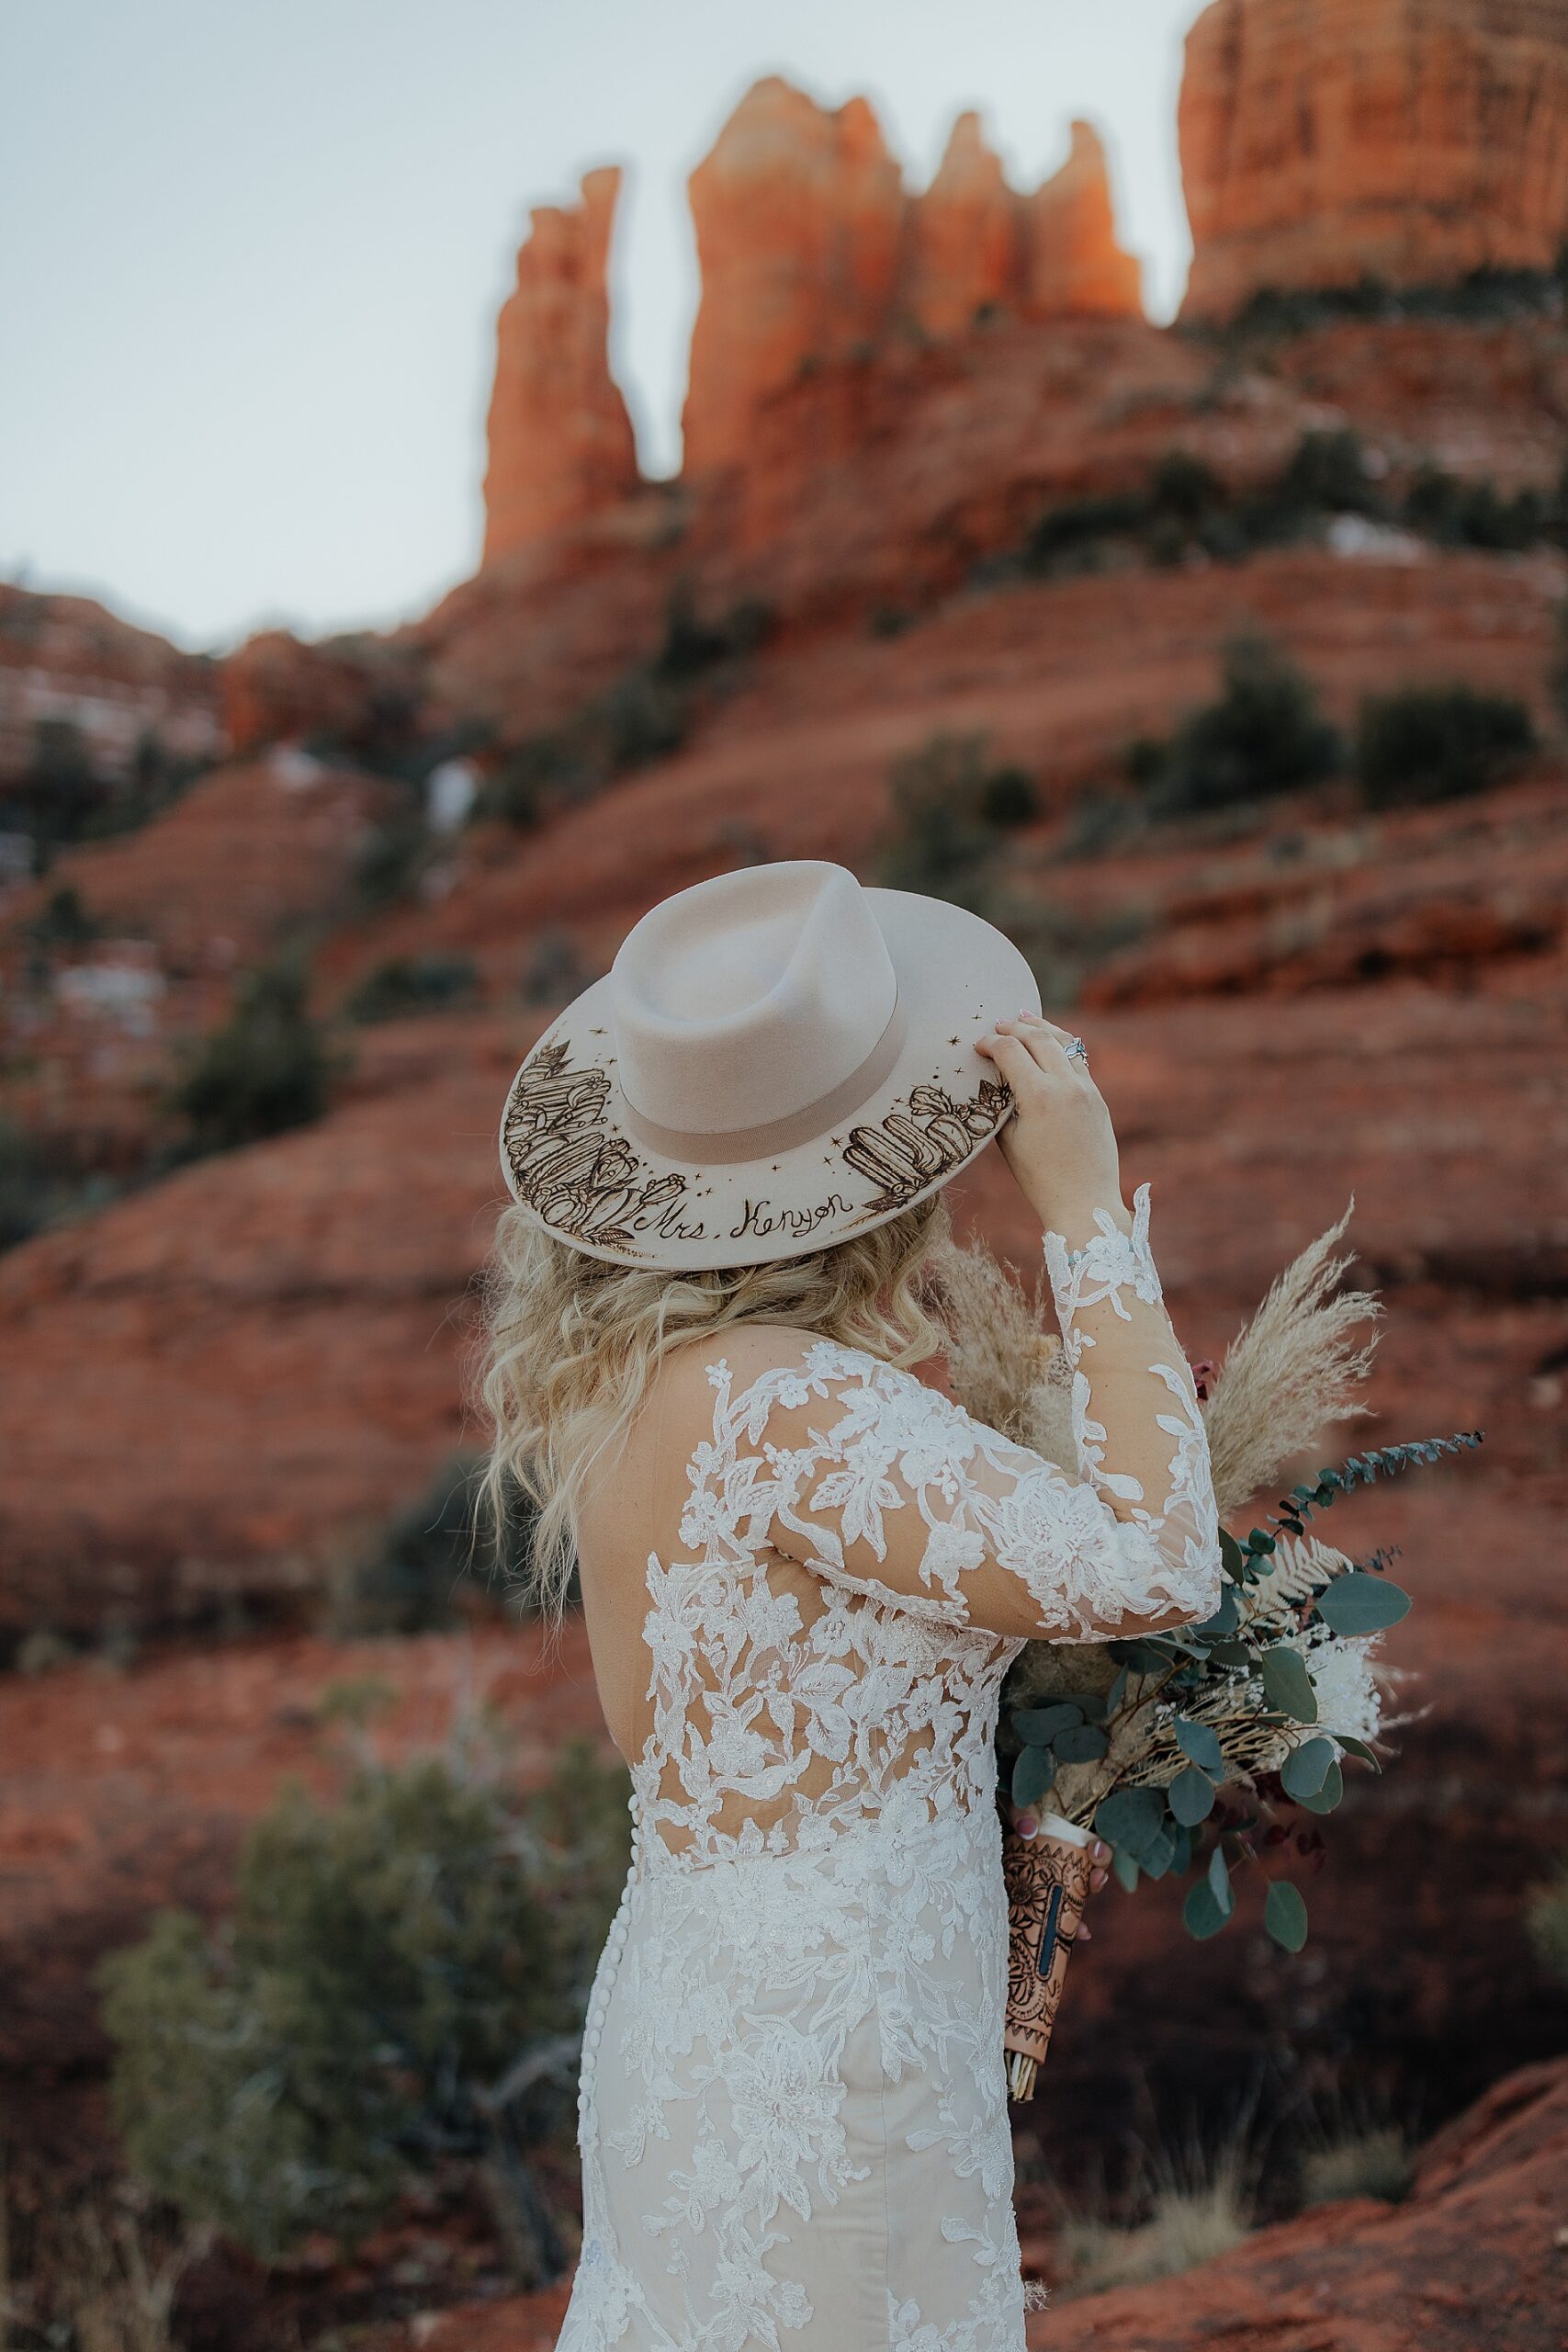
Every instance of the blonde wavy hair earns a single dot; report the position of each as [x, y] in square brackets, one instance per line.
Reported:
[572, 1344]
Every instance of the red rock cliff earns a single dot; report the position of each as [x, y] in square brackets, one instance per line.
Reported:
[1408, 140]
[561, 440]
[799, 219]
[811, 252]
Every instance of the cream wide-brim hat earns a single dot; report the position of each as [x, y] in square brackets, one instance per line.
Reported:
[778, 1059]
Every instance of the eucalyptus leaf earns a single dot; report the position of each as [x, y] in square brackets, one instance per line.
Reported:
[1039, 1726]
[1081, 1744]
[1198, 1741]
[1305, 1769]
[1191, 1796]
[1288, 1684]
[1201, 1914]
[1125, 1866]
[1285, 1914]
[1233, 1656]
[1129, 1817]
[1231, 1557]
[1358, 1748]
[1225, 1619]
[1359, 1603]
[1330, 1794]
[1034, 1771]
[1181, 1856]
[1220, 1880]
[1157, 1856]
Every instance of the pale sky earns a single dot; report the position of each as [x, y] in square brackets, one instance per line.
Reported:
[252, 250]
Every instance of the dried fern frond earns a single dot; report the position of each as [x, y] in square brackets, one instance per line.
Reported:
[1292, 1368]
[1005, 1367]
[1299, 1566]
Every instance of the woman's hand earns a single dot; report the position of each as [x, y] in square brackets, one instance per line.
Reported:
[1026, 1824]
[1059, 1143]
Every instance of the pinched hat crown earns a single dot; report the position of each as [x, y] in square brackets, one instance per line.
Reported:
[743, 1008]
[778, 1058]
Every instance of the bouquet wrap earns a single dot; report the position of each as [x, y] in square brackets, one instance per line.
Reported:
[1047, 1885]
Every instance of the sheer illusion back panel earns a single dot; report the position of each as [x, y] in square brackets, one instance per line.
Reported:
[811, 1473]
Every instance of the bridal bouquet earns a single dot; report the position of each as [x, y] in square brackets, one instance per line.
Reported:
[1195, 1752]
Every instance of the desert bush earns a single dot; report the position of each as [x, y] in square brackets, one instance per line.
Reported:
[21, 1185]
[434, 1563]
[1476, 514]
[1262, 737]
[264, 1070]
[398, 1989]
[1071, 537]
[1483, 294]
[1546, 1918]
[406, 985]
[1438, 743]
[692, 645]
[953, 809]
[1327, 472]
[63, 920]
[393, 854]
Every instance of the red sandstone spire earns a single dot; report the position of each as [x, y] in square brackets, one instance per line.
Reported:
[561, 440]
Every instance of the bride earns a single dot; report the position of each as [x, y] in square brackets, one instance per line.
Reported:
[804, 1573]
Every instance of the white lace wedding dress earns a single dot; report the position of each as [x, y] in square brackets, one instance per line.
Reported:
[793, 2113]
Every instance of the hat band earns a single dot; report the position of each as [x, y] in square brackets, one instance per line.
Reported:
[735, 1143]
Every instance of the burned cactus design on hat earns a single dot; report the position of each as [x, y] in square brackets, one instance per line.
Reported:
[914, 1145]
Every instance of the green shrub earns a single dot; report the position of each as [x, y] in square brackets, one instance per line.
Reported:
[1182, 489]
[21, 1185]
[1546, 1917]
[391, 1958]
[1264, 736]
[392, 855]
[265, 1069]
[1438, 743]
[406, 985]
[693, 646]
[63, 920]
[1009, 798]
[433, 1565]
[1068, 537]
[1327, 472]
[952, 808]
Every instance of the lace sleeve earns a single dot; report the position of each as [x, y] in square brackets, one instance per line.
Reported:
[885, 1485]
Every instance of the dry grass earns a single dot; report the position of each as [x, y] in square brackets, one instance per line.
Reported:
[1294, 1368]
[1007, 1368]
[1370, 2160]
[1197, 2210]
[1546, 1917]
[102, 2276]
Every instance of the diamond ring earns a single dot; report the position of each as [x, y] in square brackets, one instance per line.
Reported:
[1076, 1050]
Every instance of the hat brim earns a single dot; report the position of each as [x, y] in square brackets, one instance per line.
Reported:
[572, 1162]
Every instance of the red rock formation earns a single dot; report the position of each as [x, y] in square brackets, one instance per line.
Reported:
[966, 237]
[799, 217]
[275, 689]
[561, 440]
[811, 253]
[1473, 2257]
[1327, 140]
[1074, 266]
[68, 658]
